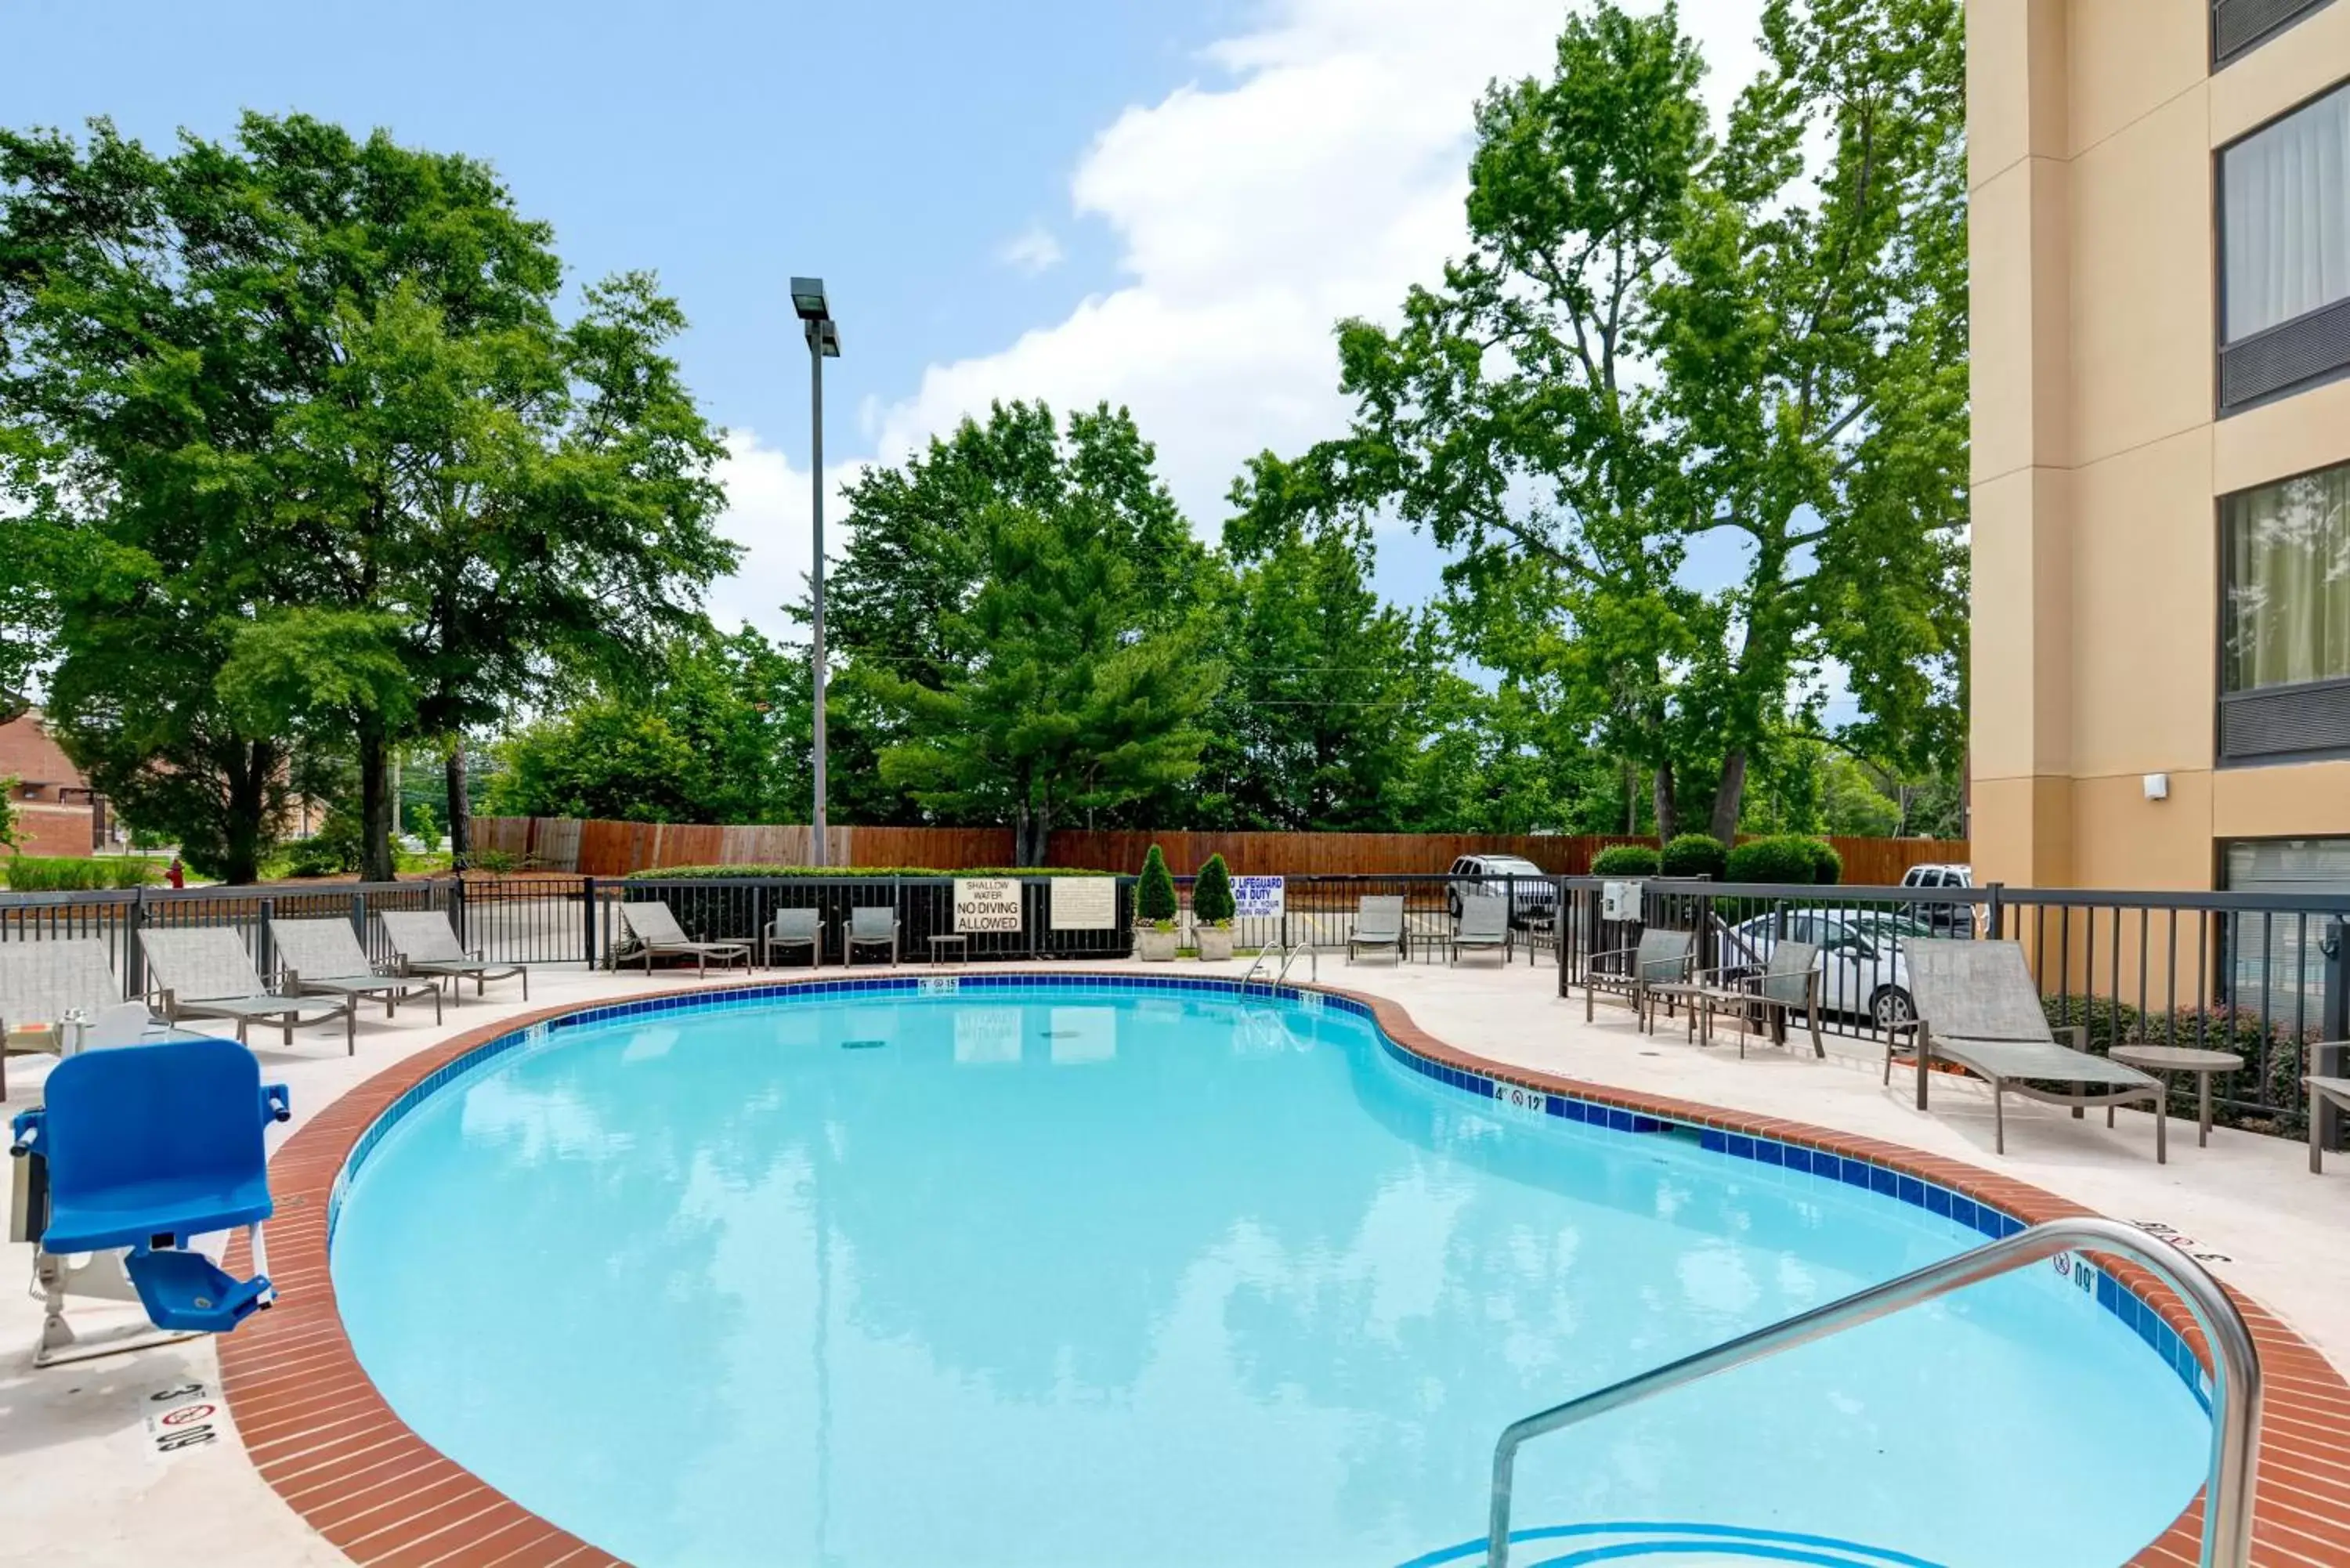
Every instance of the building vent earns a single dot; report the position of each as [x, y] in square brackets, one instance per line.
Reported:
[2285, 724]
[2241, 24]
[2304, 349]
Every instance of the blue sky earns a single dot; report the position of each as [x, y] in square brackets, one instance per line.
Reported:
[1163, 203]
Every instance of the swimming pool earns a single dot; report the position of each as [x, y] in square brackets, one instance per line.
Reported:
[1091, 1273]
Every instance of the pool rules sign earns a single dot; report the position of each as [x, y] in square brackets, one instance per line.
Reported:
[987, 904]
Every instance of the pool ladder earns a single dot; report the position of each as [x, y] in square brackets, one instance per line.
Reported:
[2235, 1389]
[1288, 955]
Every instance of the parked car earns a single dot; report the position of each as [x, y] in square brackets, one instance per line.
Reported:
[1860, 965]
[1533, 896]
[1953, 919]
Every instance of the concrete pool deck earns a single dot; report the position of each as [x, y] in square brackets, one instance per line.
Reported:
[88, 1481]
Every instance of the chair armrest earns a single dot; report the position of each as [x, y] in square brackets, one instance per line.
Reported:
[1613, 953]
[25, 1130]
[2326, 1058]
[2080, 1034]
[1900, 1026]
[277, 1106]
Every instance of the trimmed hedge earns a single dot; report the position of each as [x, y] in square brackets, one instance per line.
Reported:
[1154, 893]
[1827, 865]
[1627, 860]
[1783, 858]
[1212, 893]
[718, 873]
[1695, 855]
[74, 874]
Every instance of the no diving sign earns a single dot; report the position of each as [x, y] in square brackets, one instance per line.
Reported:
[185, 1417]
[986, 904]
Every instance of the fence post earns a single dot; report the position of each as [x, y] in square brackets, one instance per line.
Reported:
[456, 886]
[2336, 948]
[134, 957]
[264, 946]
[587, 898]
[359, 916]
[1997, 915]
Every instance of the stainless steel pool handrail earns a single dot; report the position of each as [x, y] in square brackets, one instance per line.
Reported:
[1288, 955]
[2235, 1386]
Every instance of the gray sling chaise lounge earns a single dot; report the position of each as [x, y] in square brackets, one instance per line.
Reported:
[424, 943]
[2323, 1082]
[203, 972]
[323, 958]
[1378, 923]
[47, 984]
[1979, 1009]
[658, 935]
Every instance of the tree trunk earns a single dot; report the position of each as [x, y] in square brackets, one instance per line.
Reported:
[1031, 826]
[376, 864]
[461, 805]
[1728, 799]
[245, 829]
[1668, 816]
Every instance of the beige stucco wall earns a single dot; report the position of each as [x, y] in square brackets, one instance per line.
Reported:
[2096, 458]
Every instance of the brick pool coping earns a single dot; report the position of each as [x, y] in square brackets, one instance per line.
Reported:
[323, 1437]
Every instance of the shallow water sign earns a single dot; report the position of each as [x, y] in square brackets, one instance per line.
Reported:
[986, 904]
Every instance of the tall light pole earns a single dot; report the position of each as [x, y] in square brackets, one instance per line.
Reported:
[824, 343]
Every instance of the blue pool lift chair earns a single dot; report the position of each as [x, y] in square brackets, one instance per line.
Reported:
[146, 1149]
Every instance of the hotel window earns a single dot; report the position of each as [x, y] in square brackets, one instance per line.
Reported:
[2284, 254]
[2240, 26]
[2285, 619]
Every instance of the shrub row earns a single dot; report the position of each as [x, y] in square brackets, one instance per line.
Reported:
[1787, 858]
[2240, 1029]
[716, 872]
[64, 874]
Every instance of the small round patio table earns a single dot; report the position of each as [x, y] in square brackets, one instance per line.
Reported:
[2164, 1059]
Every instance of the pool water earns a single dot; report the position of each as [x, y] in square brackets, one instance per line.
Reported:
[1096, 1276]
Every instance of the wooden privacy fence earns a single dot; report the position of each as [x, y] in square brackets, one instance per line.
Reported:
[616, 848]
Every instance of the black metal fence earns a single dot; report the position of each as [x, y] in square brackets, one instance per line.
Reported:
[2262, 976]
[2265, 976]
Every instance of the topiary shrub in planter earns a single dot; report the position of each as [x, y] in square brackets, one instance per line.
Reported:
[1695, 855]
[1154, 911]
[1627, 860]
[1781, 859]
[1212, 911]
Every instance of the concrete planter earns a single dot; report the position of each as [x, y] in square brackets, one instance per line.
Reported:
[1154, 945]
[1215, 943]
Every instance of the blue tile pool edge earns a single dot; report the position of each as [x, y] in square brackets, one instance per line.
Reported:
[2134, 1310]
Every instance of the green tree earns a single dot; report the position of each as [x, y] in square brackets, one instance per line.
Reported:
[311, 397]
[720, 735]
[1658, 336]
[1063, 700]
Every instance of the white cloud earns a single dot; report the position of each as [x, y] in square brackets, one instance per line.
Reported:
[1319, 176]
[767, 501]
[1032, 251]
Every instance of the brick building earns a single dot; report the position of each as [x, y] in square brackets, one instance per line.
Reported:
[56, 811]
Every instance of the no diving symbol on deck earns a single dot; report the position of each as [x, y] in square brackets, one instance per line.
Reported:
[186, 1421]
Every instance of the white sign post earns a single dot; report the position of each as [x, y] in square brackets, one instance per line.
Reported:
[1085, 903]
[984, 904]
[1259, 897]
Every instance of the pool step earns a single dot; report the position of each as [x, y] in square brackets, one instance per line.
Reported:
[1672, 1544]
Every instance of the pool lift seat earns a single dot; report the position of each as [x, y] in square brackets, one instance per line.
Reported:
[145, 1149]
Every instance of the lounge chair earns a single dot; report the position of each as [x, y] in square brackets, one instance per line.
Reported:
[1378, 923]
[1661, 957]
[203, 972]
[1979, 1009]
[1788, 982]
[870, 925]
[1483, 926]
[323, 958]
[2325, 1086]
[657, 934]
[60, 995]
[794, 928]
[424, 942]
